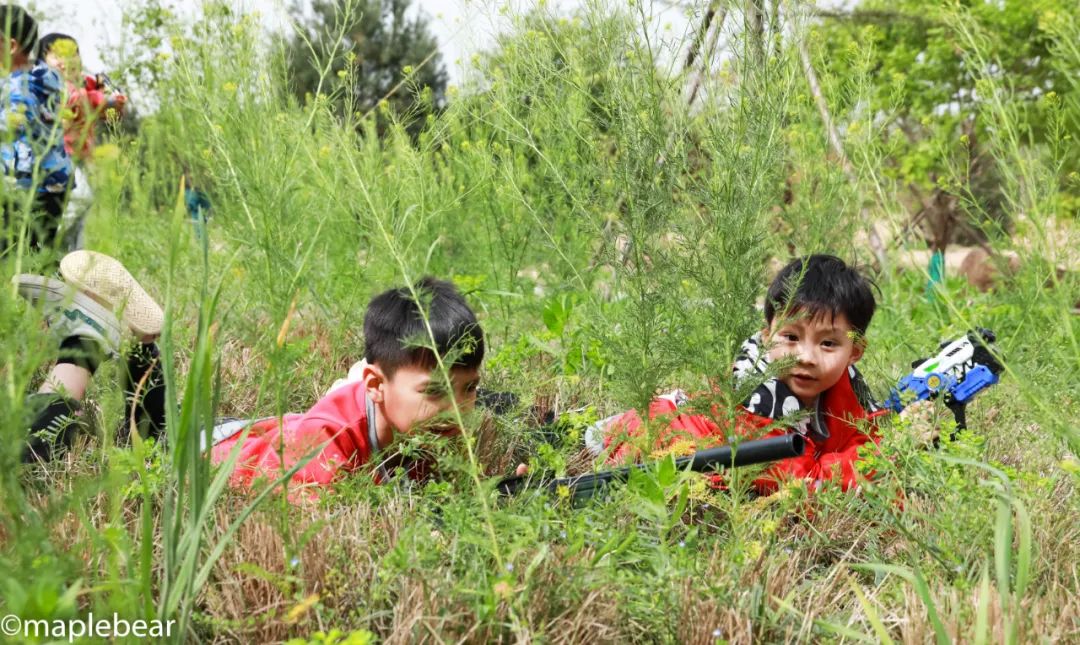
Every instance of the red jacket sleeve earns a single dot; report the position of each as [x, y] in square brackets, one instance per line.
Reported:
[623, 431]
[336, 428]
[830, 459]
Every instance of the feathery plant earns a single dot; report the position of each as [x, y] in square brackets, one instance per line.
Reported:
[613, 240]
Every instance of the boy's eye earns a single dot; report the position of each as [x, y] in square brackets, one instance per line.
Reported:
[435, 390]
[830, 343]
[791, 338]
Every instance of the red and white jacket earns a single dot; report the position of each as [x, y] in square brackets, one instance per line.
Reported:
[843, 420]
[336, 428]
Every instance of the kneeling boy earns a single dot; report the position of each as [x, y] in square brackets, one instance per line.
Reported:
[399, 391]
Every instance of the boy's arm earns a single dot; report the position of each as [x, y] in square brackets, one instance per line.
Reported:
[840, 464]
[691, 427]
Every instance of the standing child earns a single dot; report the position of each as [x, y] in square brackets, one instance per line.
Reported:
[37, 169]
[82, 309]
[89, 100]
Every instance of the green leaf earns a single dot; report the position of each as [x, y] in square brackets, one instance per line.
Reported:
[982, 611]
[916, 579]
[1003, 536]
[557, 314]
[1024, 549]
[666, 473]
[871, 613]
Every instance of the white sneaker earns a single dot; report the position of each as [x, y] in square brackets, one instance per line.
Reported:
[69, 312]
[106, 280]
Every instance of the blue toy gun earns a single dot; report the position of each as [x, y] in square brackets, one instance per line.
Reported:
[962, 369]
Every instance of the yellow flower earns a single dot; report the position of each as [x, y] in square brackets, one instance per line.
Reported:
[229, 87]
[297, 612]
[107, 152]
[562, 491]
[64, 49]
[754, 550]
[407, 70]
[679, 448]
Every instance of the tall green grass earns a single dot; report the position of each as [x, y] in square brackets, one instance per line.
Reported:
[614, 240]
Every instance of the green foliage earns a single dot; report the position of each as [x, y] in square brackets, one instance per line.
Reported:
[613, 240]
[924, 96]
[363, 52]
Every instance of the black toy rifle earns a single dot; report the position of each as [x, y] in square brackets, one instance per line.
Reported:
[747, 453]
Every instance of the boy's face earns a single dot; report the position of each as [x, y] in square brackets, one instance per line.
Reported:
[823, 347]
[64, 58]
[415, 398]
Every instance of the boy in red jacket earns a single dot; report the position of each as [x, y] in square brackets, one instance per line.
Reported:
[89, 101]
[400, 390]
[817, 311]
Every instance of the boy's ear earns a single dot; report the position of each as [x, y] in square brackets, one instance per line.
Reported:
[374, 381]
[859, 347]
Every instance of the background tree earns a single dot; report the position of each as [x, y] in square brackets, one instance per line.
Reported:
[925, 88]
[387, 51]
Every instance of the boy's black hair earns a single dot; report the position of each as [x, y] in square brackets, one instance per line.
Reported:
[820, 285]
[17, 23]
[47, 41]
[395, 334]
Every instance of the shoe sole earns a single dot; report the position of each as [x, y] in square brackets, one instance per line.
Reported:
[37, 288]
[106, 280]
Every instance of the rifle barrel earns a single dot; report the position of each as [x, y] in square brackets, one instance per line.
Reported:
[747, 453]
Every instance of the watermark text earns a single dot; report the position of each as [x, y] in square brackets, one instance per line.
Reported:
[72, 629]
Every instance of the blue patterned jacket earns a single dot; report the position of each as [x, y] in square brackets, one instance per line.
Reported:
[31, 131]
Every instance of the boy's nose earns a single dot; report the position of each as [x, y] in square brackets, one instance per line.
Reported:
[806, 356]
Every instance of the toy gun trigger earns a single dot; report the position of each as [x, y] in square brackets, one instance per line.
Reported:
[105, 84]
[959, 411]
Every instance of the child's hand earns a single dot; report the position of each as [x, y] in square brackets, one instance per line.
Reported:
[922, 421]
[521, 470]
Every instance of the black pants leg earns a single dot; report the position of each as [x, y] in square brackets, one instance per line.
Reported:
[144, 389]
[56, 420]
[55, 424]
